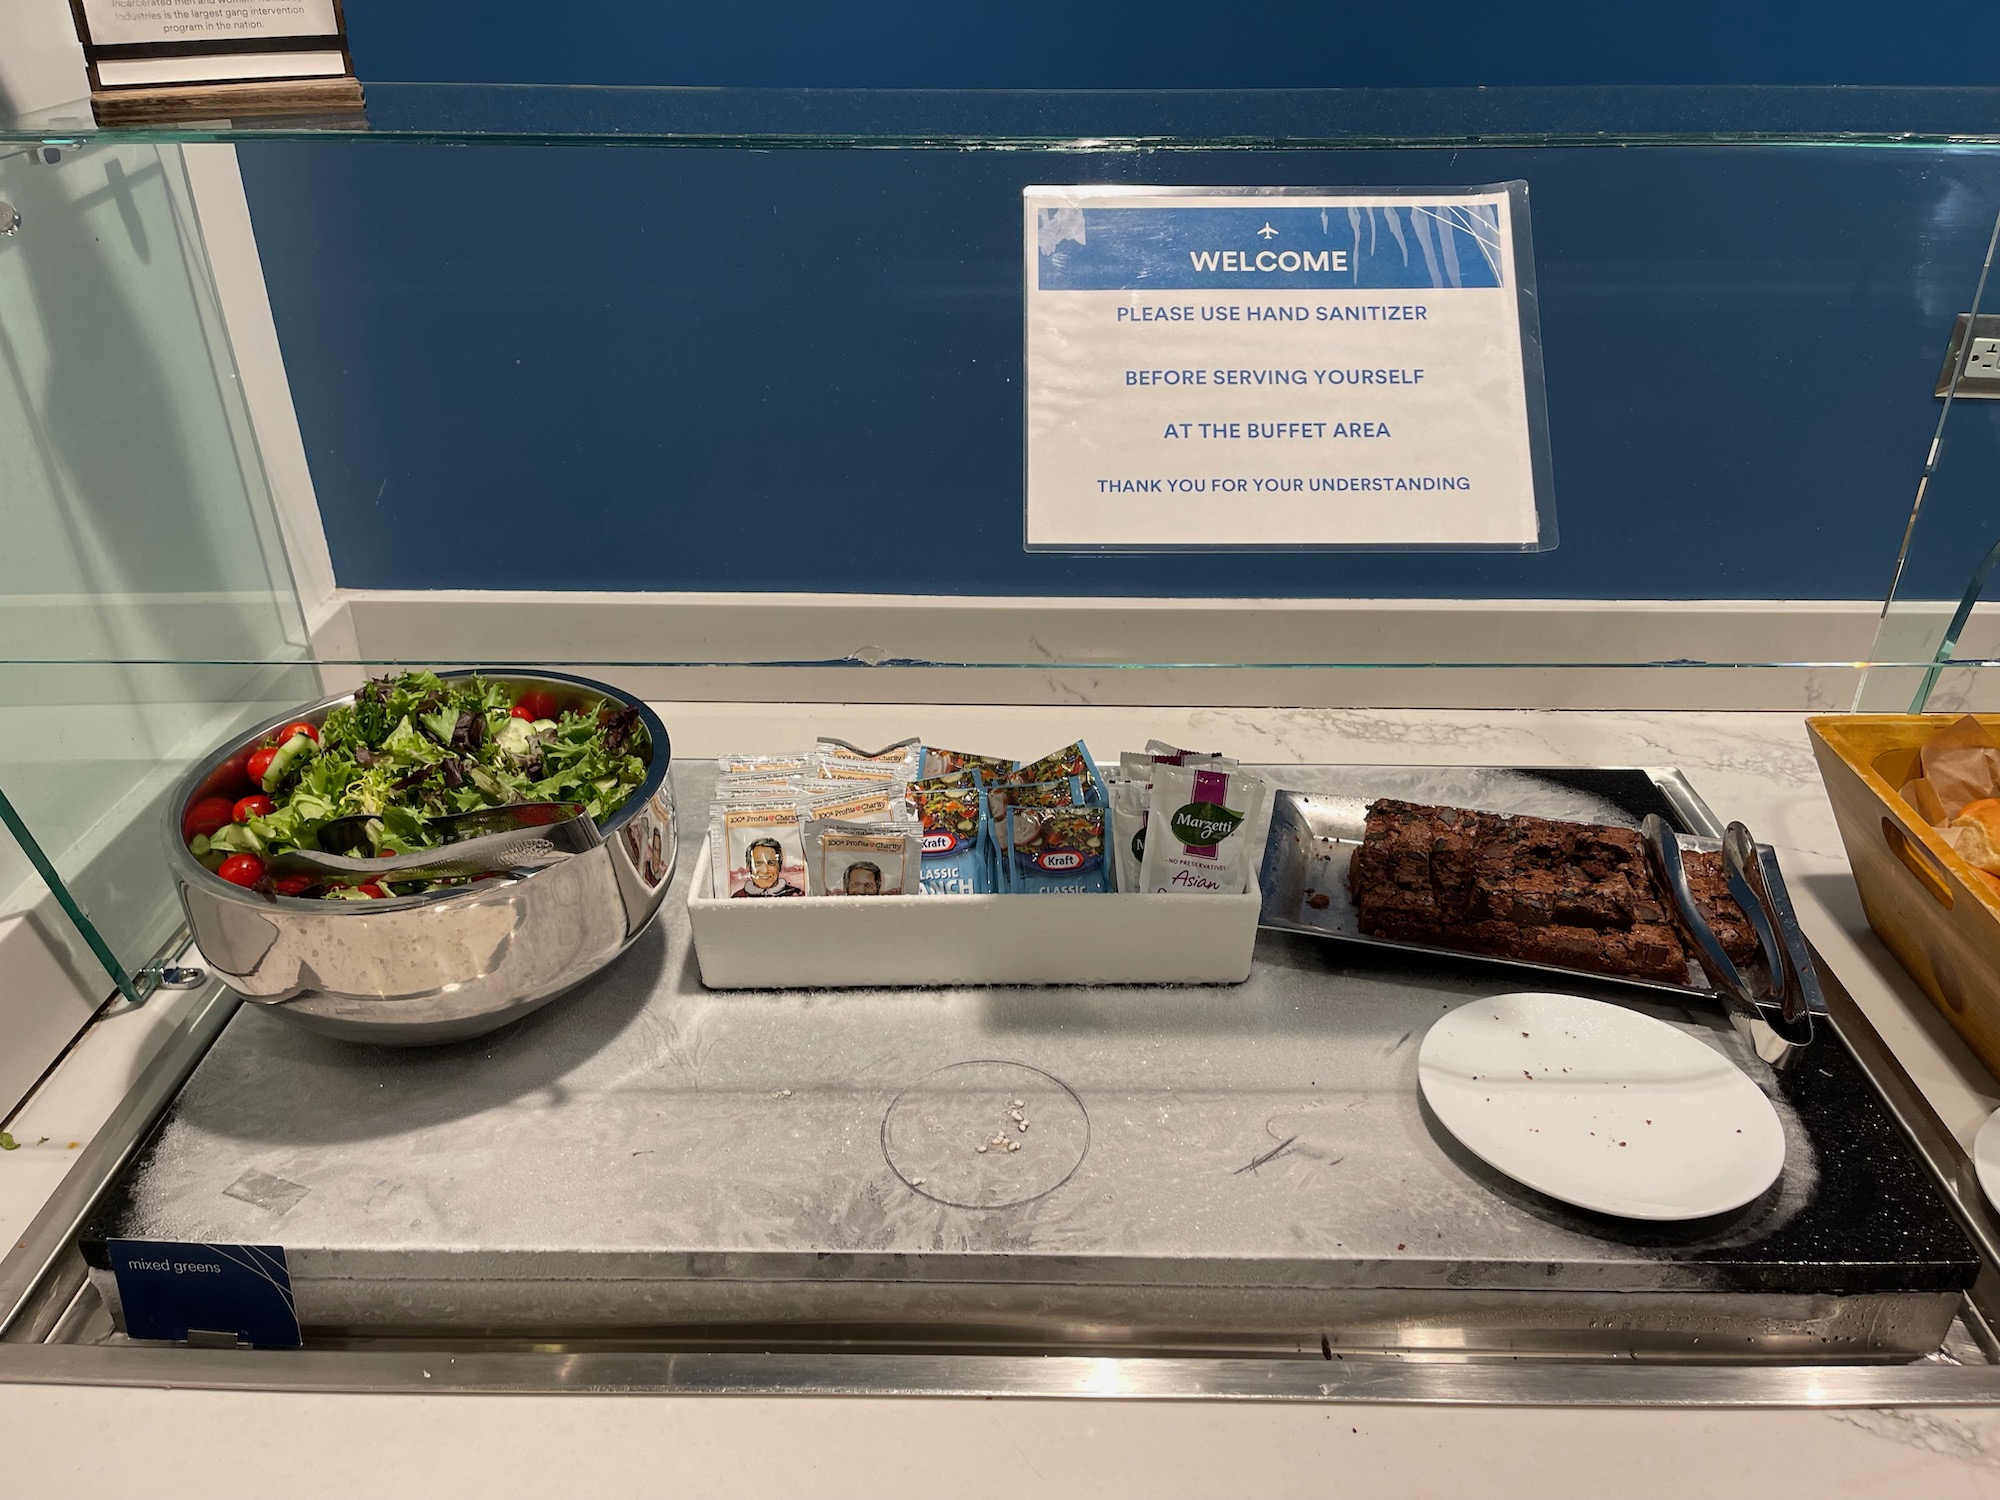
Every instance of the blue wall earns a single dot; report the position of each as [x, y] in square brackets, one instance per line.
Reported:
[718, 369]
[1176, 43]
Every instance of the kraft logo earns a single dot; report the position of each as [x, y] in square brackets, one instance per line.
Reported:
[1059, 859]
[940, 842]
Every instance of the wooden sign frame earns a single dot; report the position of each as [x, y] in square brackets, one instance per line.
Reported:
[317, 91]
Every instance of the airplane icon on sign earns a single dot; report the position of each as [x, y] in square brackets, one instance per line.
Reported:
[1267, 231]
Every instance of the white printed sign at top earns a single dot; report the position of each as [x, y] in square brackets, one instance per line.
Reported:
[126, 22]
[1240, 368]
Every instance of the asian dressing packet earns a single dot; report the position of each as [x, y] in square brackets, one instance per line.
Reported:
[1198, 830]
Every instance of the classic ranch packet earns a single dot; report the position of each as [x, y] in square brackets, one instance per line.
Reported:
[953, 820]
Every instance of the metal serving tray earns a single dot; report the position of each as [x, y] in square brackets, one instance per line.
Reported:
[1245, 1169]
[1314, 835]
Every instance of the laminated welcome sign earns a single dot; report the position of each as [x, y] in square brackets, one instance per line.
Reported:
[1248, 368]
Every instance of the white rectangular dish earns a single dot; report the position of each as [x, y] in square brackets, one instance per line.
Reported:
[810, 942]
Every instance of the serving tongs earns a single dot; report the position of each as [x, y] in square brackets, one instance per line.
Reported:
[512, 842]
[1774, 1011]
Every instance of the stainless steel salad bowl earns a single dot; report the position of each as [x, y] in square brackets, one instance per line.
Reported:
[451, 964]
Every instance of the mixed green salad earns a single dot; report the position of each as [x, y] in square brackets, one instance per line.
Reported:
[409, 749]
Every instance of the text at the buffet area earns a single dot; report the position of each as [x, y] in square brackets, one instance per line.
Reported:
[1225, 370]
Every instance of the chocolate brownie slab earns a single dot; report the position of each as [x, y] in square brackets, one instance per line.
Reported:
[1574, 894]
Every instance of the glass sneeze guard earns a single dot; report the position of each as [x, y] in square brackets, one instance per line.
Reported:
[1690, 292]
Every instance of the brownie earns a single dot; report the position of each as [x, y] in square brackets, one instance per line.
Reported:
[1710, 888]
[1574, 894]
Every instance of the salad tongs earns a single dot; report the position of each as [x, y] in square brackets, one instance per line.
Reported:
[512, 841]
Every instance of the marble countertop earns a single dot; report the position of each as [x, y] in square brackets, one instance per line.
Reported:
[1752, 766]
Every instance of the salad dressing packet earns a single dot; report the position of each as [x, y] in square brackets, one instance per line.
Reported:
[763, 765]
[1071, 760]
[905, 757]
[1137, 765]
[943, 762]
[875, 806]
[862, 859]
[758, 850]
[736, 788]
[955, 838]
[860, 770]
[1056, 851]
[1129, 803]
[1066, 791]
[1198, 824]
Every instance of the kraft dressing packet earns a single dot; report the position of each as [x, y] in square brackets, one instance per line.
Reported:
[1198, 830]
[1056, 851]
[1071, 760]
[955, 838]
[944, 762]
[1065, 792]
[758, 850]
[862, 859]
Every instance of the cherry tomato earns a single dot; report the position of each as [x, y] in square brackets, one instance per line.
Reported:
[374, 890]
[293, 885]
[260, 762]
[235, 769]
[242, 869]
[540, 704]
[297, 726]
[518, 712]
[256, 806]
[207, 815]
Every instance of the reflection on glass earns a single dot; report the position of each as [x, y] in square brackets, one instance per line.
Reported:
[138, 529]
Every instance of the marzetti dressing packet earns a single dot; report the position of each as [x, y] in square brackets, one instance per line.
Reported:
[1198, 830]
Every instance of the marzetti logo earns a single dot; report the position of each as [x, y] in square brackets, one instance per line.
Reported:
[940, 842]
[1203, 825]
[1059, 859]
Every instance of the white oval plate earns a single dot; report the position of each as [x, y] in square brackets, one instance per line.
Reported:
[1986, 1157]
[1601, 1107]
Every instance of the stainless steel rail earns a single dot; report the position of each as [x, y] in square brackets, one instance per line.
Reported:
[1386, 1380]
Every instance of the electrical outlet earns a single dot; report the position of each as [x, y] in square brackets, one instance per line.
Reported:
[1980, 379]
